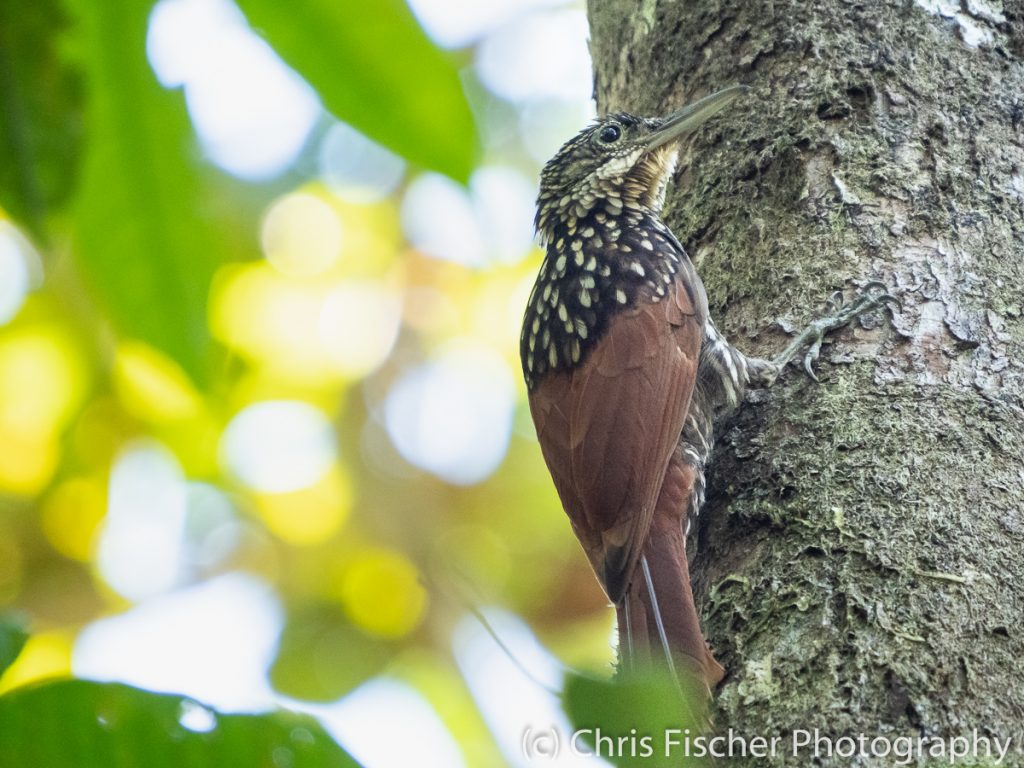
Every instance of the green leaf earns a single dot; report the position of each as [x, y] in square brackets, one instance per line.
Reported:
[643, 720]
[12, 640]
[322, 657]
[81, 724]
[145, 241]
[374, 68]
[40, 108]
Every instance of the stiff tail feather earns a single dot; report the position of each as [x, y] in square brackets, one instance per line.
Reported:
[658, 620]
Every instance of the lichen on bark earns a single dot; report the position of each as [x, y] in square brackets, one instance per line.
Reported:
[859, 558]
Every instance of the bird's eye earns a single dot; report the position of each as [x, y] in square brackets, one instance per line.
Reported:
[610, 134]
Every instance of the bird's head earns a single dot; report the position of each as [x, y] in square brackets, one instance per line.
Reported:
[620, 161]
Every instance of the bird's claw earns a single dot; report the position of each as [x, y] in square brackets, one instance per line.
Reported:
[874, 294]
[813, 351]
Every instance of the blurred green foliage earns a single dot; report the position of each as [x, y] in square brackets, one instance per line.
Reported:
[322, 656]
[98, 725]
[144, 233]
[375, 69]
[40, 104]
[12, 640]
[634, 720]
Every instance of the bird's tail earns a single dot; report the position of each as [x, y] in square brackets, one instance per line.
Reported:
[658, 621]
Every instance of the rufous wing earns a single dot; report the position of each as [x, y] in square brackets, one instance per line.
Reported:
[608, 428]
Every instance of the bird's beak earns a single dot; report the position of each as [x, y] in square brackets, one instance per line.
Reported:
[692, 116]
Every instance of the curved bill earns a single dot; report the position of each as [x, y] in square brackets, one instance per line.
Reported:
[693, 115]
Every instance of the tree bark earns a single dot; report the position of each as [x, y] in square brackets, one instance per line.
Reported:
[859, 562]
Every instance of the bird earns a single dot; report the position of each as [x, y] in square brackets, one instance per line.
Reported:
[626, 373]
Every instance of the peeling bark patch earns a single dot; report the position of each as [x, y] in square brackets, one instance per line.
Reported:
[954, 338]
[975, 27]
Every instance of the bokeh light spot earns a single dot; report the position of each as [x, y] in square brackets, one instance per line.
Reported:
[214, 642]
[301, 235]
[456, 23]
[310, 515]
[279, 446]
[270, 320]
[381, 593]
[212, 529]
[367, 720]
[504, 201]
[430, 311]
[71, 516]
[140, 552]
[492, 222]
[252, 112]
[19, 270]
[453, 416]
[27, 463]
[315, 333]
[373, 238]
[174, 23]
[359, 323]
[545, 124]
[506, 697]
[497, 313]
[356, 168]
[438, 218]
[541, 55]
[41, 381]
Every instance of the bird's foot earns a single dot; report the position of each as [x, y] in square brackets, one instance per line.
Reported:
[873, 296]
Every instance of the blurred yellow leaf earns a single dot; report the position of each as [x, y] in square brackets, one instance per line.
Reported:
[301, 235]
[311, 515]
[46, 655]
[42, 381]
[372, 237]
[270, 320]
[151, 386]
[319, 332]
[71, 515]
[26, 463]
[381, 592]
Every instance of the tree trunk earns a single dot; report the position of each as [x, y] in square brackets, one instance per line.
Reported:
[859, 563]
